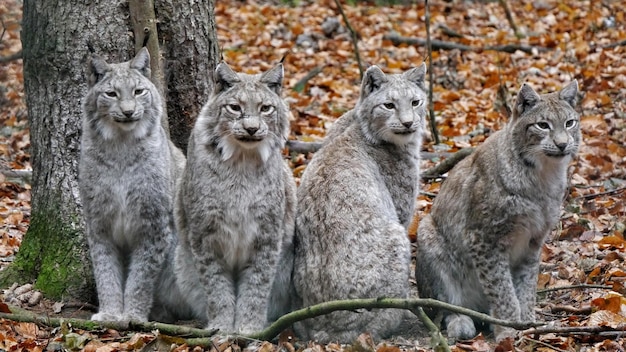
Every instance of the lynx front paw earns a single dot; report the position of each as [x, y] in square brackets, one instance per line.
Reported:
[460, 327]
[135, 317]
[502, 333]
[104, 316]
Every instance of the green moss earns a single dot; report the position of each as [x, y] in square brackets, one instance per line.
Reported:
[53, 255]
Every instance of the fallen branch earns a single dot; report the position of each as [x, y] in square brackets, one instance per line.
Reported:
[570, 309]
[570, 330]
[168, 329]
[573, 287]
[372, 303]
[543, 344]
[397, 39]
[451, 158]
[447, 164]
[26, 175]
[600, 194]
[303, 147]
[449, 31]
[613, 45]
[199, 336]
[12, 57]
[299, 86]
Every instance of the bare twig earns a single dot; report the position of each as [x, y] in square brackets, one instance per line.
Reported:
[612, 45]
[570, 330]
[437, 341]
[447, 164]
[449, 31]
[397, 39]
[600, 194]
[509, 17]
[299, 86]
[544, 344]
[573, 287]
[355, 38]
[12, 57]
[570, 309]
[431, 105]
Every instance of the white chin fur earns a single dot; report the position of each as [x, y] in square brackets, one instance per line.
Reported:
[127, 126]
[234, 149]
[400, 139]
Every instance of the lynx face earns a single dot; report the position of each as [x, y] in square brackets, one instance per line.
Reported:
[246, 115]
[548, 127]
[393, 106]
[122, 97]
[247, 120]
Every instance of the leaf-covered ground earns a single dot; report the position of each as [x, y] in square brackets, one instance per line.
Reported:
[567, 39]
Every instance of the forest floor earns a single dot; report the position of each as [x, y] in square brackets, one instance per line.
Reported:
[582, 293]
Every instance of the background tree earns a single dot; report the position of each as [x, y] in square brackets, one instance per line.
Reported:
[56, 38]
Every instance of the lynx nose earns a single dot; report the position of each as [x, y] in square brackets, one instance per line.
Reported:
[561, 146]
[252, 130]
[128, 113]
[407, 124]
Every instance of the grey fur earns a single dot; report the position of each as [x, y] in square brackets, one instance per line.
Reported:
[480, 245]
[127, 174]
[355, 202]
[236, 203]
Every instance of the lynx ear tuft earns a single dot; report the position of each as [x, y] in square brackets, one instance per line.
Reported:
[569, 93]
[416, 75]
[526, 99]
[224, 77]
[372, 80]
[97, 69]
[141, 62]
[274, 78]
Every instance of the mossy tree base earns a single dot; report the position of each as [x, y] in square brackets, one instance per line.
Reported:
[53, 256]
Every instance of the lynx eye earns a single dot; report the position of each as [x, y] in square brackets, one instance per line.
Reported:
[139, 91]
[389, 106]
[266, 108]
[416, 103]
[570, 124]
[111, 94]
[234, 107]
[544, 126]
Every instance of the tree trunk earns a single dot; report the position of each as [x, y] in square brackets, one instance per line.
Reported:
[56, 38]
[191, 52]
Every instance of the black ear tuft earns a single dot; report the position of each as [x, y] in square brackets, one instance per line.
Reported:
[372, 80]
[526, 99]
[97, 69]
[274, 78]
[416, 75]
[224, 77]
[141, 62]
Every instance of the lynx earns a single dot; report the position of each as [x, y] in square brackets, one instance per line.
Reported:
[480, 245]
[354, 205]
[236, 203]
[127, 174]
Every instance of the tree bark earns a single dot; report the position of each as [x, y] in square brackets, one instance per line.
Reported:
[56, 39]
[191, 52]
